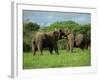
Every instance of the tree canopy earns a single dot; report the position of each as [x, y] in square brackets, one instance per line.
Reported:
[28, 30]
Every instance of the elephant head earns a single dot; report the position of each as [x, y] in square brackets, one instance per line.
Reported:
[64, 33]
[69, 36]
[56, 34]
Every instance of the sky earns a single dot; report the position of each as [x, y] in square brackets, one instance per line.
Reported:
[45, 18]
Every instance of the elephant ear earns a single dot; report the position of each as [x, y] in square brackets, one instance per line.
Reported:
[68, 31]
[56, 34]
[62, 33]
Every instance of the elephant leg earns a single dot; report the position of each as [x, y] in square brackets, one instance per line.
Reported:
[33, 48]
[56, 49]
[86, 46]
[89, 47]
[82, 47]
[39, 46]
[71, 49]
[67, 46]
[50, 49]
[71, 45]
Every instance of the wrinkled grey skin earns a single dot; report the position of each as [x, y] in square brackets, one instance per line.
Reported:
[69, 36]
[82, 41]
[43, 40]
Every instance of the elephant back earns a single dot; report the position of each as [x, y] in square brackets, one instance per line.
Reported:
[39, 36]
[79, 38]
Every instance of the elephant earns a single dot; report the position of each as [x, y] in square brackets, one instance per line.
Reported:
[89, 39]
[82, 40]
[43, 40]
[69, 36]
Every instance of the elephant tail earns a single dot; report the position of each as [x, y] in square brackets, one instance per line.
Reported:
[33, 42]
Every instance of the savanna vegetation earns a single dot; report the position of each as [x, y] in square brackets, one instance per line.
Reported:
[30, 28]
[64, 59]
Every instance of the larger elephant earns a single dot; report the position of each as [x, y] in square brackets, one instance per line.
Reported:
[43, 40]
[69, 36]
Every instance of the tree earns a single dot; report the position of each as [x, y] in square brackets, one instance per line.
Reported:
[63, 24]
[28, 29]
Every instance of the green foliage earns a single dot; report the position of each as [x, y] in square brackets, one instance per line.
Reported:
[29, 26]
[64, 59]
[82, 28]
[62, 44]
[73, 26]
[28, 29]
[63, 24]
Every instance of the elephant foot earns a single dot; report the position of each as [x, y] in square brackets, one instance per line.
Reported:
[33, 54]
[50, 53]
[71, 51]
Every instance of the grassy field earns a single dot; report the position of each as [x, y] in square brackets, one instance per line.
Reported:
[64, 59]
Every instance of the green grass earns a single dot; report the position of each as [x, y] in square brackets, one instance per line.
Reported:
[64, 59]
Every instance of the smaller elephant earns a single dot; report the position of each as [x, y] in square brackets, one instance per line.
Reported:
[82, 41]
[43, 40]
[69, 36]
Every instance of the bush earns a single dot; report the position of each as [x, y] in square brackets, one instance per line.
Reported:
[28, 30]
